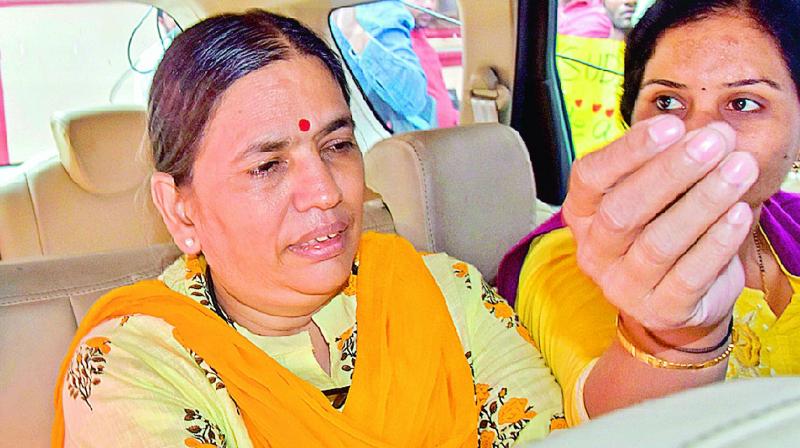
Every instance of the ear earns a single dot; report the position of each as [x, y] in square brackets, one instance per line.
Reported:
[172, 206]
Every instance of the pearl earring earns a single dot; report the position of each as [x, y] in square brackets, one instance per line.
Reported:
[189, 242]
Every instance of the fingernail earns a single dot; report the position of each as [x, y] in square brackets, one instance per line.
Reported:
[738, 214]
[738, 169]
[704, 146]
[665, 130]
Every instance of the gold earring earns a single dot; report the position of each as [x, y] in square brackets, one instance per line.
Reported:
[796, 167]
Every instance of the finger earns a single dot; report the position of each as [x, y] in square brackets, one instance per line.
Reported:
[593, 175]
[703, 286]
[625, 210]
[718, 302]
[675, 231]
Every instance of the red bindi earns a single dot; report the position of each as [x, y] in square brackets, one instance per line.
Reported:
[304, 125]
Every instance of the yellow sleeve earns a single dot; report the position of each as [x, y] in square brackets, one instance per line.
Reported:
[566, 314]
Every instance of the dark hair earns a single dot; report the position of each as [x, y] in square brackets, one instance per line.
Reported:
[778, 18]
[203, 62]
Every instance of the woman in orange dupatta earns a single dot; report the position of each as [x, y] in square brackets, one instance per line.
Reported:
[259, 180]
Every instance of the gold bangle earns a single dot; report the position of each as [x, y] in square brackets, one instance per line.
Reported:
[659, 363]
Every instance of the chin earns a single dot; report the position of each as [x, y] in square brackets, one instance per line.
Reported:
[759, 193]
[324, 278]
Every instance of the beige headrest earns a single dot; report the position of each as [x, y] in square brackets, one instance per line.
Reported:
[467, 191]
[100, 147]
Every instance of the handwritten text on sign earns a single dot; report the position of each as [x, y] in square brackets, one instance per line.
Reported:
[591, 95]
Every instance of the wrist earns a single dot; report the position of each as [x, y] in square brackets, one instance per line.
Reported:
[682, 345]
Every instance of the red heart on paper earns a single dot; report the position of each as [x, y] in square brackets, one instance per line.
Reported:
[609, 112]
[596, 107]
[578, 102]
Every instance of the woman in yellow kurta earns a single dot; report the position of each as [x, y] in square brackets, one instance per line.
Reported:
[690, 243]
[282, 325]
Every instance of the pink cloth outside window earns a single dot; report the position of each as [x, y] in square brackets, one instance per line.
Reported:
[446, 114]
[584, 18]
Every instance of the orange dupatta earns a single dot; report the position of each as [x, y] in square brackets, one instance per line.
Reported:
[412, 385]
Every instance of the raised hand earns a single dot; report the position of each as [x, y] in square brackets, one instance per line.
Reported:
[658, 222]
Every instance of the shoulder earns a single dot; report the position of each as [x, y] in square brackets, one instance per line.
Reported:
[550, 257]
[133, 369]
[137, 349]
[176, 274]
[558, 242]
[464, 291]
[476, 308]
[450, 272]
[460, 282]
[552, 288]
[517, 395]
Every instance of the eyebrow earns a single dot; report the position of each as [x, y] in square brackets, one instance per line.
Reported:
[740, 83]
[664, 82]
[750, 82]
[345, 121]
[264, 146]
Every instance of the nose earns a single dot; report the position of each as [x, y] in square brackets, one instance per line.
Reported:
[701, 116]
[314, 185]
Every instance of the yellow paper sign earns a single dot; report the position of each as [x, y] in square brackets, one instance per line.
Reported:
[591, 95]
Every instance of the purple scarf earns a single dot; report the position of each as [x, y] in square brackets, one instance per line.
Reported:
[780, 219]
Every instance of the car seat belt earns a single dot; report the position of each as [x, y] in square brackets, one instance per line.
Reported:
[490, 99]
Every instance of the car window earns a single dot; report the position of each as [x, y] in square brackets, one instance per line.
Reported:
[590, 61]
[56, 57]
[406, 57]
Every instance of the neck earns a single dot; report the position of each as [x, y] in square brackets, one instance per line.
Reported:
[617, 34]
[775, 285]
[262, 322]
[749, 255]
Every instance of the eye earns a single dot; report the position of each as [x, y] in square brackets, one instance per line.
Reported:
[744, 105]
[340, 146]
[665, 103]
[265, 168]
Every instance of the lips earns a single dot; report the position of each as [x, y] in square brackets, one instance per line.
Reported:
[316, 241]
[322, 243]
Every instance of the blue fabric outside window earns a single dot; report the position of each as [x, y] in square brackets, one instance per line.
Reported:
[388, 70]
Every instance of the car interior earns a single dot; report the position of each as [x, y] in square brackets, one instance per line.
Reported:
[76, 221]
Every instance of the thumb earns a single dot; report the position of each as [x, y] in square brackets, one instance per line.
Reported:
[717, 303]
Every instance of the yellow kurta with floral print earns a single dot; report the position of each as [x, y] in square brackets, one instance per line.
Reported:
[573, 324]
[132, 383]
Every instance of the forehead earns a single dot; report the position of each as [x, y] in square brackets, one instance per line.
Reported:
[293, 89]
[268, 105]
[722, 48]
